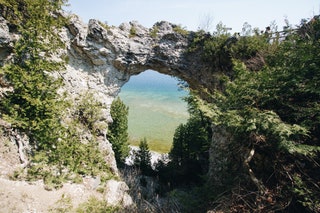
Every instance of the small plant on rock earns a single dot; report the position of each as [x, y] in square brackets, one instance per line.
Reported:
[154, 32]
[133, 32]
[180, 30]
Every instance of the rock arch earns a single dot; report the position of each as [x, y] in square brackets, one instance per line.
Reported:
[116, 53]
[102, 59]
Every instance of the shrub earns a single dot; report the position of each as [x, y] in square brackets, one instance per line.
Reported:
[104, 25]
[89, 112]
[133, 32]
[94, 205]
[154, 32]
[270, 113]
[180, 30]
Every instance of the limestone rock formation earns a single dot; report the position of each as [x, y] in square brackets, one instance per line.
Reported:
[101, 60]
[117, 53]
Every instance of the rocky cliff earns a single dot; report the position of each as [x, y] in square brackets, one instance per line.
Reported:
[101, 60]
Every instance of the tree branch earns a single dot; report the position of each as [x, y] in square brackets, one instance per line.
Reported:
[258, 183]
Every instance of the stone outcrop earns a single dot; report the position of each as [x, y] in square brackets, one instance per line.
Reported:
[116, 53]
[101, 60]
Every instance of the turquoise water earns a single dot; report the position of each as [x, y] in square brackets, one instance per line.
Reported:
[155, 109]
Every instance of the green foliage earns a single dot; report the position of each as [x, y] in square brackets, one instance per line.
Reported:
[273, 110]
[118, 130]
[276, 110]
[68, 159]
[70, 156]
[180, 30]
[249, 46]
[154, 31]
[215, 49]
[189, 153]
[63, 205]
[59, 151]
[88, 113]
[307, 197]
[221, 48]
[104, 25]
[198, 41]
[34, 105]
[81, 156]
[142, 157]
[189, 142]
[94, 205]
[133, 32]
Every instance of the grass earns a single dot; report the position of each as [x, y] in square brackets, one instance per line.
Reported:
[94, 205]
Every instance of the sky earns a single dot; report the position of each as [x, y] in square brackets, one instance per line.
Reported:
[193, 14]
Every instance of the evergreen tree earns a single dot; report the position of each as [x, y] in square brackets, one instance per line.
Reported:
[34, 105]
[273, 113]
[118, 130]
[189, 152]
[142, 157]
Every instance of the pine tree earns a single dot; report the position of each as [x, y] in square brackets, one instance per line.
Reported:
[189, 154]
[143, 157]
[118, 130]
[34, 105]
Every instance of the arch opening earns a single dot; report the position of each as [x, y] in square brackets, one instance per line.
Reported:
[156, 109]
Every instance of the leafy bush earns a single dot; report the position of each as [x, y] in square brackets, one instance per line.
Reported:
[220, 48]
[63, 205]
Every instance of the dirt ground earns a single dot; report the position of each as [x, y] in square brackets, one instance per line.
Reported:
[26, 197]
[21, 196]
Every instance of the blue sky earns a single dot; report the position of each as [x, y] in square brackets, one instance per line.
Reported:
[194, 13]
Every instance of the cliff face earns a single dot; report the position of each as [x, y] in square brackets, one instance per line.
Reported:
[80, 77]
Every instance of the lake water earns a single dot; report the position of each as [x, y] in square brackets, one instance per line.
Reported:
[155, 109]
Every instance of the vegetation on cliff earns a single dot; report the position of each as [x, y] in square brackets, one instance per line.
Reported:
[267, 102]
[268, 99]
[58, 151]
[118, 130]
